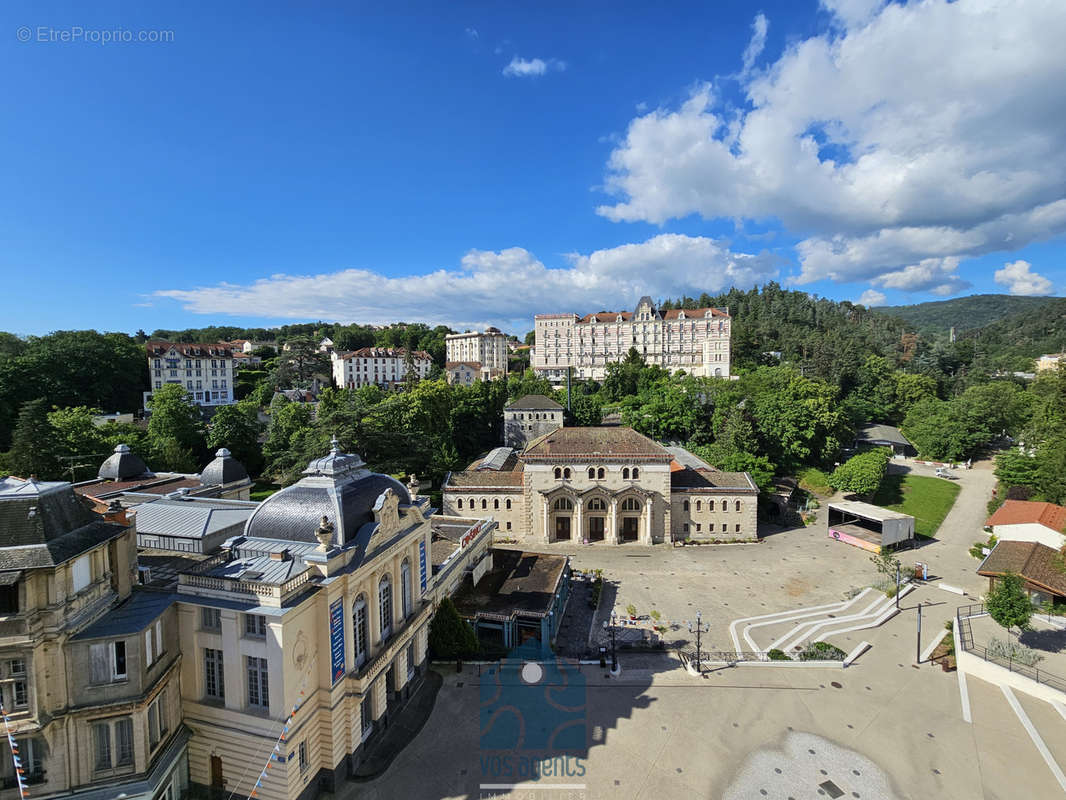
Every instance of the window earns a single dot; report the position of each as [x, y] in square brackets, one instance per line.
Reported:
[124, 742]
[359, 624]
[685, 527]
[592, 473]
[737, 528]
[597, 504]
[562, 504]
[366, 717]
[697, 527]
[214, 675]
[210, 619]
[684, 506]
[460, 502]
[81, 572]
[631, 504]
[107, 662]
[508, 525]
[102, 746]
[149, 653]
[601, 473]
[636, 473]
[496, 504]
[258, 687]
[411, 664]
[304, 762]
[405, 588]
[558, 473]
[736, 505]
[255, 626]
[710, 527]
[484, 503]
[625, 473]
[566, 473]
[710, 505]
[385, 607]
[158, 638]
[9, 599]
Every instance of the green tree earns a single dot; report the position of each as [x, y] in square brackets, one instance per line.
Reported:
[1008, 604]
[237, 428]
[862, 473]
[79, 442]
[297, 365]
[175, 430]
[449, 634]
[288, 423]
[33, 447]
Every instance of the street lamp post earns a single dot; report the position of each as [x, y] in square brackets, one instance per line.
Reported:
[897, 585]
[614, 651]
[698, 628]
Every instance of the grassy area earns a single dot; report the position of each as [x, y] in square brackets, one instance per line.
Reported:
[928, 500]
[814, 480]
[261, 490]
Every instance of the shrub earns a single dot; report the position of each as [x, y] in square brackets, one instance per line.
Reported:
[778, 655]
[862, 473]
[822, 651]
[1010, 650]
[631, 610]
[449, 634]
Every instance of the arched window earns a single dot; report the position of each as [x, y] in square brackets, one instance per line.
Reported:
[566, 473]
[685, 505]
[636, 473]
[631, 504]
[360, 629]
[592, 473]
[405, 588]
[710, 505]
[563, 504]
[699, 505]
[471, 503]
[625, 472]
[601, 473]
[597, 504]
[496, 503]
[737, 505]
[484, 503]
[460, 502]
[385, 606]
[558, 473]
[508, 505]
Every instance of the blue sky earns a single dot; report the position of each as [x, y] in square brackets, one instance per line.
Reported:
[475, 164]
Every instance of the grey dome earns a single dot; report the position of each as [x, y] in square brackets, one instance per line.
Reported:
[122, 465]
[339, 487]
[224, 469]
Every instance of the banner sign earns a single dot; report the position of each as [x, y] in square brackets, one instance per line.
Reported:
[470, 535]
[336, 638]
[422, 564]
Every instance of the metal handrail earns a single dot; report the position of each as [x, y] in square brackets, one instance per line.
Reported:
[962, 621]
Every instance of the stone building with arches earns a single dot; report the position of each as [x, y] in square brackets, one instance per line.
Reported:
[607, 485]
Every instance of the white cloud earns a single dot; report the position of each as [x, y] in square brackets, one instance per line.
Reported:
[930, 130]
[504, 288]
[871, 298]
[1019, 279]
[533, 67]
[471, 33]
[757, 43]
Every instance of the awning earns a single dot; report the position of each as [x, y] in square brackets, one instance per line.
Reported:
[10, 578]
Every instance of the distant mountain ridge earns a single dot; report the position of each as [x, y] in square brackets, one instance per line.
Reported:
[965, 313]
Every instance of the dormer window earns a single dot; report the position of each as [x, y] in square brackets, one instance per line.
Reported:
[681, 315]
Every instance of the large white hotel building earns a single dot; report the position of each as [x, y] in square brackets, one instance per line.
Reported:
[696, 341]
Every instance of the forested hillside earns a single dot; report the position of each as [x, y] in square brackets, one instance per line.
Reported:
[964, 313]
[1027, 334]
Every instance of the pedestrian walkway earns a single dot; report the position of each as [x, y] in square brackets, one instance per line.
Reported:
[403, 728]
[572, 640]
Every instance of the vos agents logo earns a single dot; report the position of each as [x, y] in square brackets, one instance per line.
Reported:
[533, 718]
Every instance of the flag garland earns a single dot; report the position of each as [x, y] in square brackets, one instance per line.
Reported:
[20, 773]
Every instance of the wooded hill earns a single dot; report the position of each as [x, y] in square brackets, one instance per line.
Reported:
[964, 313]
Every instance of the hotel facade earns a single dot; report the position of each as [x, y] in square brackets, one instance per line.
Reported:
[205, 371]
[485, 353]
[695, 340]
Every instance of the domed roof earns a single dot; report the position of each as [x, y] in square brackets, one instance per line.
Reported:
[337, 486]
[122, 465]
[224, 469]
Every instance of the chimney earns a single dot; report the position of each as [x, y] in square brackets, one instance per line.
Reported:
[282, 555]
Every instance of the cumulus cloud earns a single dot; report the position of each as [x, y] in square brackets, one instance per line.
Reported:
[930, 130]
[871, 298]
[504, 288]
[1019, 279]
[758, 41]
[533, 67]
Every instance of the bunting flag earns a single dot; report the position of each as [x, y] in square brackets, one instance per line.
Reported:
[20, 773]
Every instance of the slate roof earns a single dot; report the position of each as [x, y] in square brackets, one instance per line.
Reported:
[223, 469]
[881, 433]
[261, 569]
[1035, 562]
[140, 610]
[533, 402]
[193, 519]
[1020, 512]
[123, 464]
[59, 550]
[595, 441]
[690, 480]
[35, 514]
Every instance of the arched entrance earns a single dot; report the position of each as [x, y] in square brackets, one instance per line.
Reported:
[561, 519]
[595, 514]
[629, 519]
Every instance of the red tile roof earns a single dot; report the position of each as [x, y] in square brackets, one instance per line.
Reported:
[1037, 563]
[1020, 512]
[611, 442]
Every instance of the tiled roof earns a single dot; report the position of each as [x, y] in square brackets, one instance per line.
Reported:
[881, 433]
[472, 364]
[1020, 512]
[485, 478]
[688, 479]
[1035, 562]
[595, 441]
[692, 313]
[533, 402]
[213, 350]
[384, 352]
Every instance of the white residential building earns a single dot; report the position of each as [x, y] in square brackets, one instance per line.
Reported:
[381, 366]
[693, 340]
[488, 350]
[205, 371]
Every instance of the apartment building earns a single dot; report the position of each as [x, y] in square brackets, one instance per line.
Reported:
[486, 352]
[529, 417]
[696, 341]
[205, 371]
[380, 366]
[88, 663]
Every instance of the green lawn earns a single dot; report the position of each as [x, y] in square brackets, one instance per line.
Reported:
[928, 500]
[261, 490]
[814, 480]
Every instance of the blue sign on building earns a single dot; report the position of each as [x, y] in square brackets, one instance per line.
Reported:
[422, 564]
[336, 638]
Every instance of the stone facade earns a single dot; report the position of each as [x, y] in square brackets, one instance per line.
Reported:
[205, 371]
[530, 417]
[606, 484]
[696, 341]
[487, 350]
